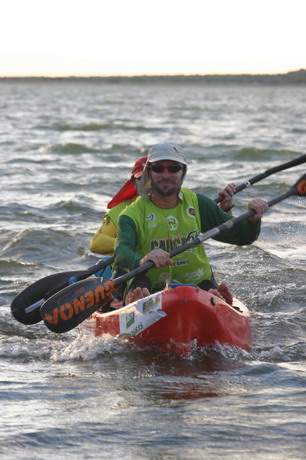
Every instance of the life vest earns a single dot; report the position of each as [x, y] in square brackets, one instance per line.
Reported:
[168, 229]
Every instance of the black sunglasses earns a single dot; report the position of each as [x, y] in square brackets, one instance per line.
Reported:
[170, 168]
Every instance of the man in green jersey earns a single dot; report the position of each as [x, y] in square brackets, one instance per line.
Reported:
[165, 216]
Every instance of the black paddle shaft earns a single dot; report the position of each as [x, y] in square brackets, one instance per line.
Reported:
[267, 173]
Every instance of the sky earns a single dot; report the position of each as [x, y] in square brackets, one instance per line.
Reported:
[151, 37]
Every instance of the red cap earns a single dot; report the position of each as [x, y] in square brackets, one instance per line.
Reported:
[138, 167]
[128, 191]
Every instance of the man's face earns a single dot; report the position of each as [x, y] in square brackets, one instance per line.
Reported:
[166, 177]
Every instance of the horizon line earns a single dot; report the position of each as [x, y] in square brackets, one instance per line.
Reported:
[152, 75]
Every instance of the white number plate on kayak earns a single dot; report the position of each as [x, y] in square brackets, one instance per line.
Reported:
[138, 316]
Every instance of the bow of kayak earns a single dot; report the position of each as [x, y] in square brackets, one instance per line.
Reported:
[178, 320]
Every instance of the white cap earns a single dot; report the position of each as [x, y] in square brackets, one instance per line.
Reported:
[166, 151]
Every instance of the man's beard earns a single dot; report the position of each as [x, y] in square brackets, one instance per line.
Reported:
[170, 191]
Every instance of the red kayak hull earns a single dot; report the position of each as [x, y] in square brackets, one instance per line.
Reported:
[177, 320]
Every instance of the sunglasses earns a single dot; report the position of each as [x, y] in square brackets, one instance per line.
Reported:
[170, 168]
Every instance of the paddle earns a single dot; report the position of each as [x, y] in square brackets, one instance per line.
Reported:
[268, 172]
[71, 306]
[25, 307]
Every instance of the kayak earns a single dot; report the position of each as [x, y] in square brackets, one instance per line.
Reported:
[178, 320]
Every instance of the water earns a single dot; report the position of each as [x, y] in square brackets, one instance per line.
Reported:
[65, 150]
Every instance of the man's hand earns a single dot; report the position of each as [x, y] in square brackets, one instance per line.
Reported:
[228, 193]
[259, 206]
[159, 257]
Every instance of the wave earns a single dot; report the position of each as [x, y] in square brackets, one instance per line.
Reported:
[116, 125]
[298, 131]
[252, 153]
[76, 127]
[14, 264]
[69, 206]
[41, 244]
[70, 147]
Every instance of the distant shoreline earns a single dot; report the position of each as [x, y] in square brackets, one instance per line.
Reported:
[290, 78]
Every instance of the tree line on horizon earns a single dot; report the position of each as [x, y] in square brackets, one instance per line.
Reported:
[292, 78]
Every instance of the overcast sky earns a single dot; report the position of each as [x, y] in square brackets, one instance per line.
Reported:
[136, 37]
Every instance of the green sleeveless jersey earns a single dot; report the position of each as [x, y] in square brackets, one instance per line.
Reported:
[168, 229]
[142, 226]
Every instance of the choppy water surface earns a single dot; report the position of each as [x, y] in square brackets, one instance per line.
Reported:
[65, 149]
